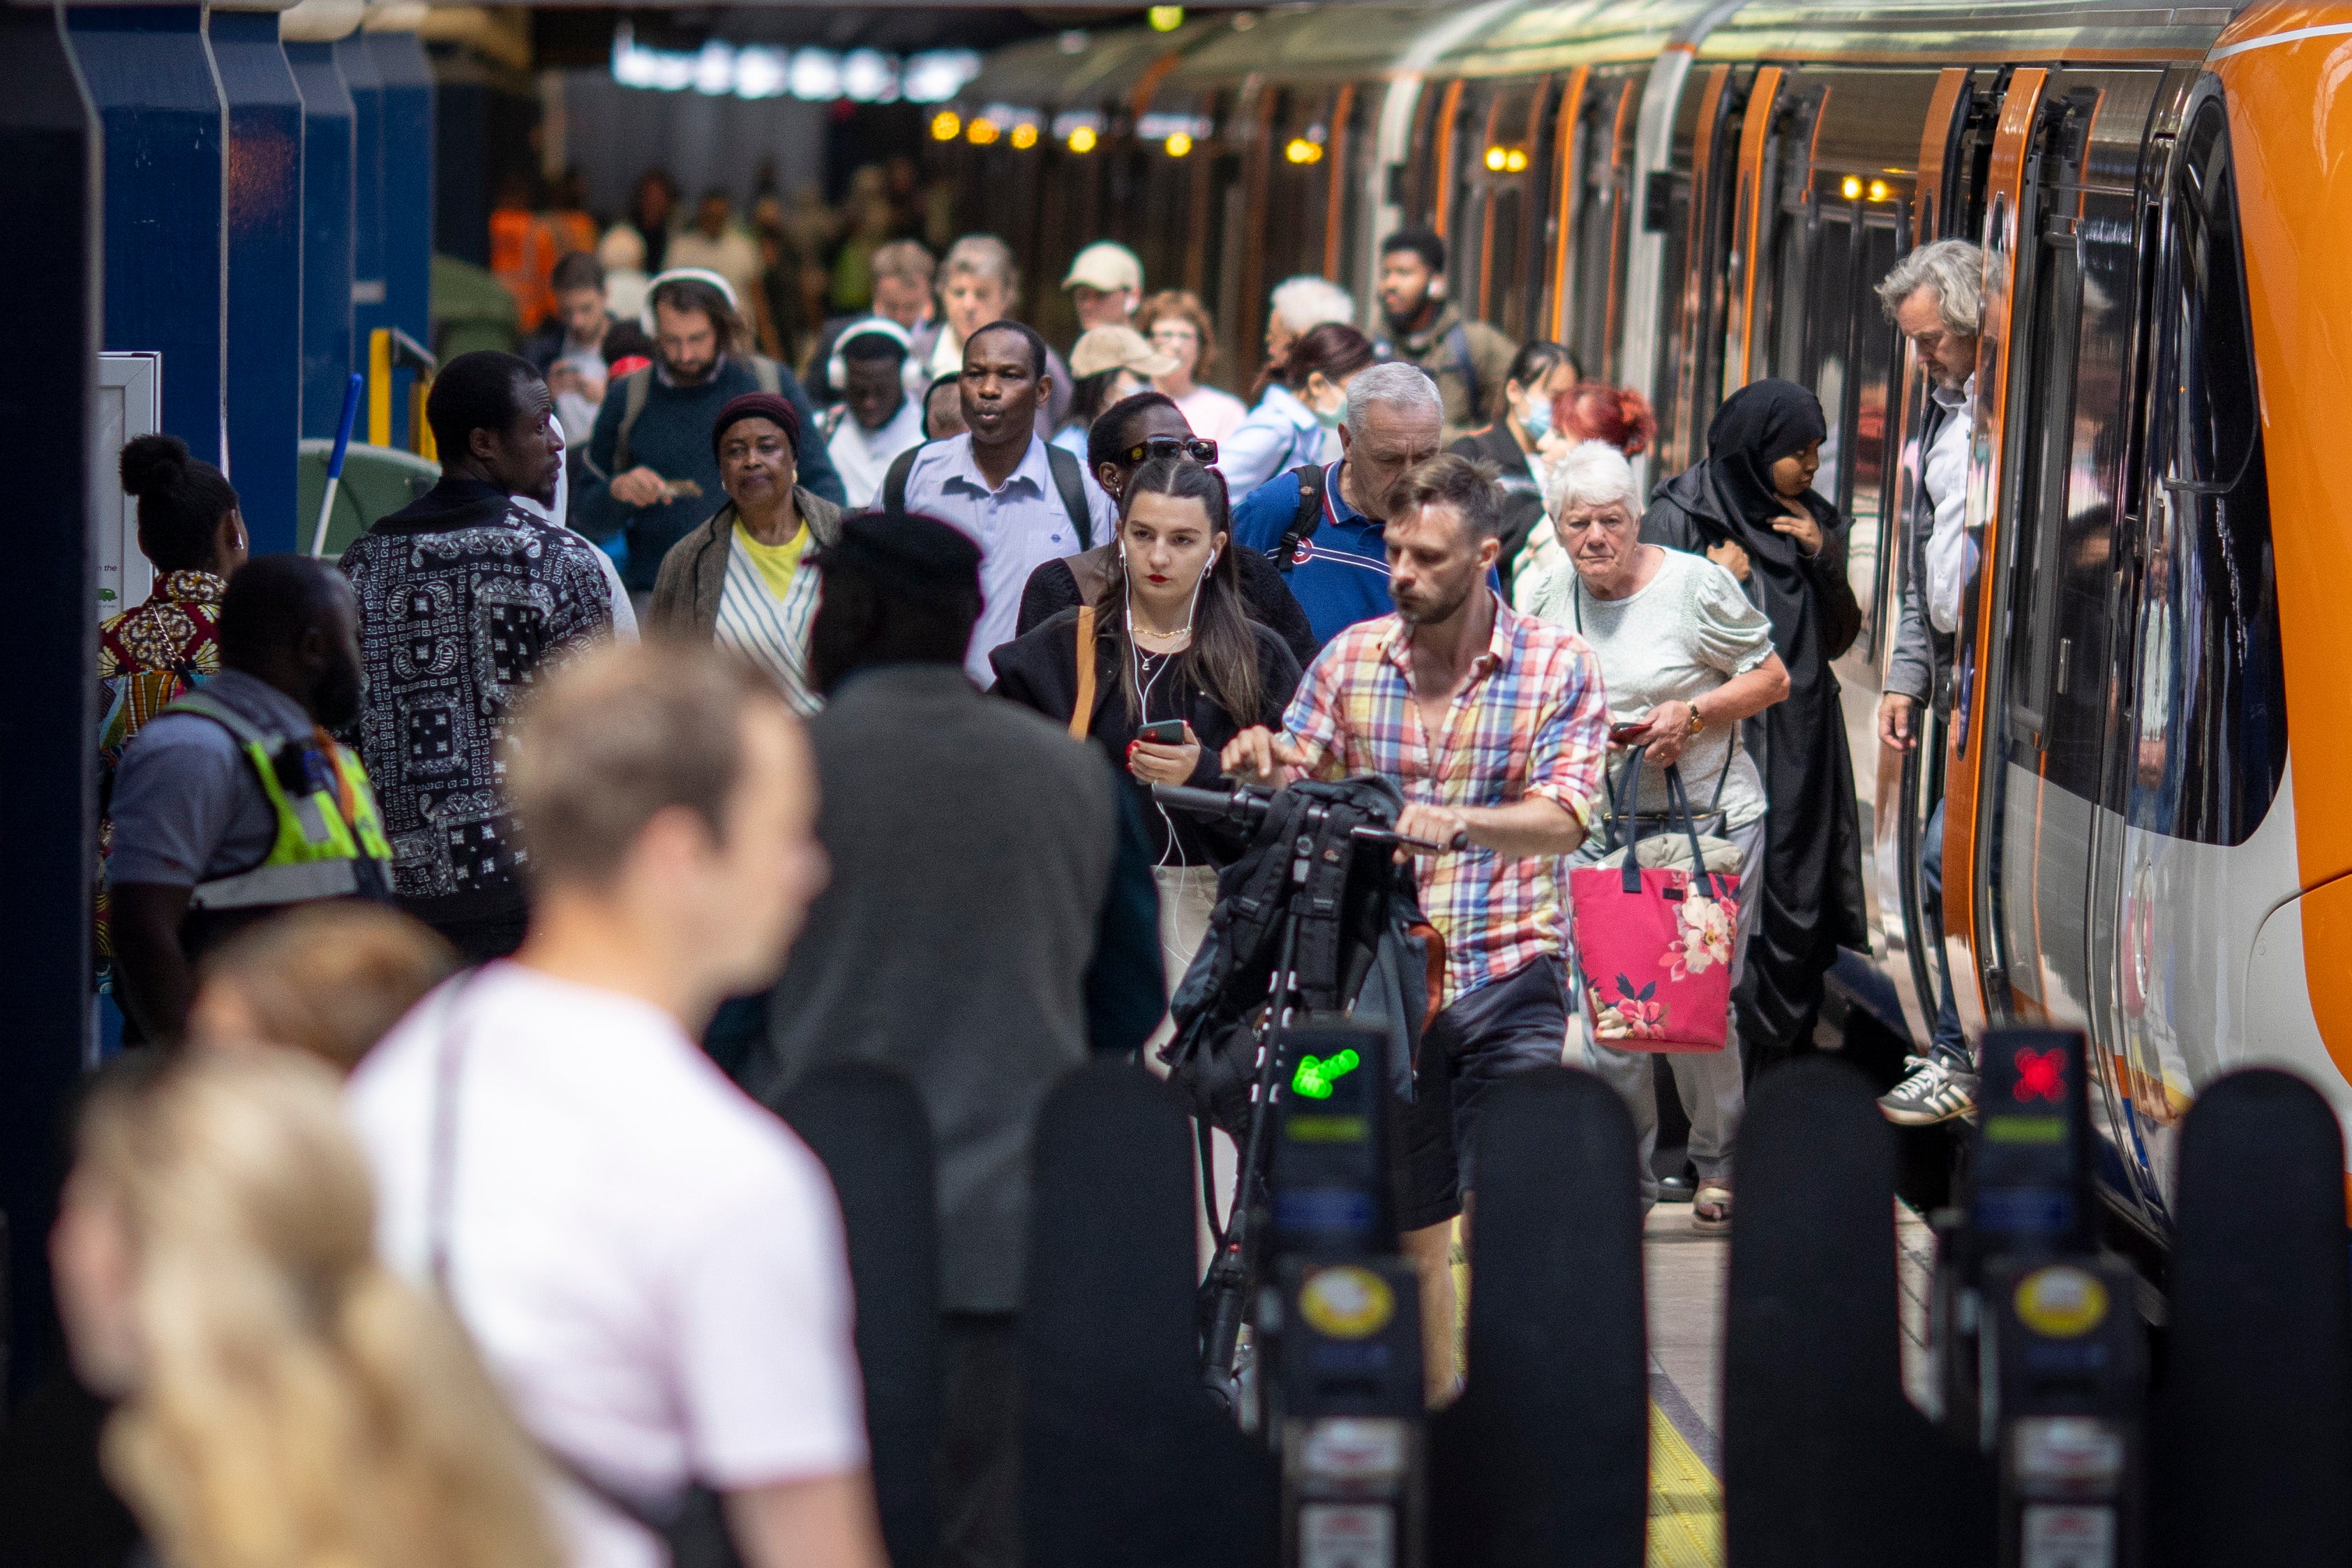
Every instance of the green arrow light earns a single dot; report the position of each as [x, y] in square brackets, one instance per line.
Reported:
[1315, 1076]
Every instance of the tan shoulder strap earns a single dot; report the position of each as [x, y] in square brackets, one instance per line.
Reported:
[1082, 716]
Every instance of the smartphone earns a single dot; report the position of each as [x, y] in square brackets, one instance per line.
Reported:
[1626, 733]
[1167, 732]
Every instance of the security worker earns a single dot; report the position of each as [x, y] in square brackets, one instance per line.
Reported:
[236, 801]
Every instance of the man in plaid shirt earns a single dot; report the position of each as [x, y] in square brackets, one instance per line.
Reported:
[1493, 725]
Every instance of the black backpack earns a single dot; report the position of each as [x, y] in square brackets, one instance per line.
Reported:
[1067, 479]
[1303, 522]
[1362, 938]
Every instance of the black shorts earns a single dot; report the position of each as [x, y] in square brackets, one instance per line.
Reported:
[1505, 1028]
[1421, 1167]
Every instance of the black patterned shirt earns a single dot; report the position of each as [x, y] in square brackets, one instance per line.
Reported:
[466, 599]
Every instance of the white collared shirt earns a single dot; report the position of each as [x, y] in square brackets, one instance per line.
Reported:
[862, 457]
[1951, 554]
[1019, 527]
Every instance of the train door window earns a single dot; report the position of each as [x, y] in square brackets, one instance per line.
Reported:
[1600, 170]
[1345, 157]
[1696, 217]
[1507, 178]
[1295, 204]
[2211, 720]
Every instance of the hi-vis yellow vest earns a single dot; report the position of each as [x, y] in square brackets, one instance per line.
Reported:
[318, 853]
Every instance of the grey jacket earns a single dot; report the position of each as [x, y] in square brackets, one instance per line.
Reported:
[694, 573]
[1916, 664]
[973, 845]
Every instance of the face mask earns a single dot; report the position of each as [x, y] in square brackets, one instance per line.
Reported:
[1537, 420]
[1329, 418]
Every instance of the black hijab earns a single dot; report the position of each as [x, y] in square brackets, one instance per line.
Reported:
[1760, 423]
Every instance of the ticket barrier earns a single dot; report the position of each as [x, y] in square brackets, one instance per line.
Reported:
[1129, 1458]
[2055, 1442]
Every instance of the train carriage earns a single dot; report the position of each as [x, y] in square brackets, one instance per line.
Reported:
[1693, 197]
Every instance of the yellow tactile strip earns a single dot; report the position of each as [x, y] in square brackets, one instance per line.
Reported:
[1686, 1502]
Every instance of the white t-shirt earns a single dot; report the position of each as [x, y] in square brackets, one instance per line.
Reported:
[651, 1263]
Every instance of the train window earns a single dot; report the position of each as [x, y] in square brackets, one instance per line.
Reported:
[1697, 220]
[1599, 170]
[2212, 708]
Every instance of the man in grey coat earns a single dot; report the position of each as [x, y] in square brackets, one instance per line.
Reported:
[982, 933]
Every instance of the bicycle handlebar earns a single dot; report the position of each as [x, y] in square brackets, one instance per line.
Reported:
[1247, 808]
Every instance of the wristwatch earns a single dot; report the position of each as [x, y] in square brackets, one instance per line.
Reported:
[1697, 722]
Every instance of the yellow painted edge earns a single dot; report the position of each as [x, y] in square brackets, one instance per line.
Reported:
[1686, 1502]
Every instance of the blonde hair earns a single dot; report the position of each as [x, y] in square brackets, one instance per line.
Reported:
[983, 256]
[330, 978]
[298, 1407]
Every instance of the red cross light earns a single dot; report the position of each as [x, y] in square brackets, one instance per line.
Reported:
[2041, 1074]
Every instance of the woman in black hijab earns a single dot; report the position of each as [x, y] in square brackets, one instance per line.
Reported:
[1750, 508]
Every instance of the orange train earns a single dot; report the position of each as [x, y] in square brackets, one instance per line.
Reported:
[1691, 196]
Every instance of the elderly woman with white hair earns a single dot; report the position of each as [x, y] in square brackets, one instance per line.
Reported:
[1684, 657]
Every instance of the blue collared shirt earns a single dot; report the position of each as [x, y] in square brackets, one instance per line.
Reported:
[1019, 527]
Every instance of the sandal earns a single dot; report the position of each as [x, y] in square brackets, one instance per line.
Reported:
[1711, 1207]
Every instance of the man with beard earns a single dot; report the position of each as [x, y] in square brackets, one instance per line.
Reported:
[650, 473]
[467, 597]
[235, 803]
[1492, 724]
[1468, 360]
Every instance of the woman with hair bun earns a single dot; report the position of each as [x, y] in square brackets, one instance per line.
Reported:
[190, 530]
[284, 1401]
[1614, 417]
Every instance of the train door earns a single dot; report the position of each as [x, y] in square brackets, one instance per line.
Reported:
[1690, 205]
[2197, 737]
[1596, 174]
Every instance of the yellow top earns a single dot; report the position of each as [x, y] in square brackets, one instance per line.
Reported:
[777, 563]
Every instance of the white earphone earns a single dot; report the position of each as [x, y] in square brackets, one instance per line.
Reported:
[836, 368]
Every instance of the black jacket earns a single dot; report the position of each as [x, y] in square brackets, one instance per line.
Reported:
[1040, 671]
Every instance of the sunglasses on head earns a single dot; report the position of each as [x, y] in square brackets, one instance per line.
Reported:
[1197, 447]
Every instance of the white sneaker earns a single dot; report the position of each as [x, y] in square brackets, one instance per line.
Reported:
[1933, 1092]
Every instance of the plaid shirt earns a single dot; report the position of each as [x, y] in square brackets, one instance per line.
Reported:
[1531, 721]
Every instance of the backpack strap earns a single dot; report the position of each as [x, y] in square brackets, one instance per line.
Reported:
[1303, 522]
[1457, 341]
[635, 387]
[1082, 716]
[894, 483]
[1072, 483]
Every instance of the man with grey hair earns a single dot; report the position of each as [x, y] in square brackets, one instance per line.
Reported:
[1322, 528]
[1934, 298]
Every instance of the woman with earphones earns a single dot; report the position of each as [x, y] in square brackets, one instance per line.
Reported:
[1161, 670]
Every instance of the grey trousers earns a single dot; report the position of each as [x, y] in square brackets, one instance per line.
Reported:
[1709, 1083]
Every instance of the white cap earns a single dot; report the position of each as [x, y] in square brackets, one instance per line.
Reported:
[1107, 266]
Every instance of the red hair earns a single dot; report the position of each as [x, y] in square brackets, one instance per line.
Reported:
[1619, 416]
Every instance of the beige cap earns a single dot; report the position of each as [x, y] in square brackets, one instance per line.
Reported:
[1106, 265]
[1104, 348]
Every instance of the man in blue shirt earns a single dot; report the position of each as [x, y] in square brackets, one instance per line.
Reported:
[1339, 567]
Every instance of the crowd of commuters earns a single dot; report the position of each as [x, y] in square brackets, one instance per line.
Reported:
[568, 916]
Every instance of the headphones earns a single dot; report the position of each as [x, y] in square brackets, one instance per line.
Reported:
[700, 274]
[1437, 287]
[836, 368]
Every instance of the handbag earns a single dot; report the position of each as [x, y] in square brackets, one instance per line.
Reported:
[1654, 944]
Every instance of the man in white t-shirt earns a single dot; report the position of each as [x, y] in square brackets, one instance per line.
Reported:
[651, 1263]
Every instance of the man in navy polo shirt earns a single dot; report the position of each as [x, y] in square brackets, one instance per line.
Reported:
[1339, 570]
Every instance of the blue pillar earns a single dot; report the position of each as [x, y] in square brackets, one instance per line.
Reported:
[407, 76]
[150, 74]
[326, 143]
[49, 169]
[357, 62]
[265, 270]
